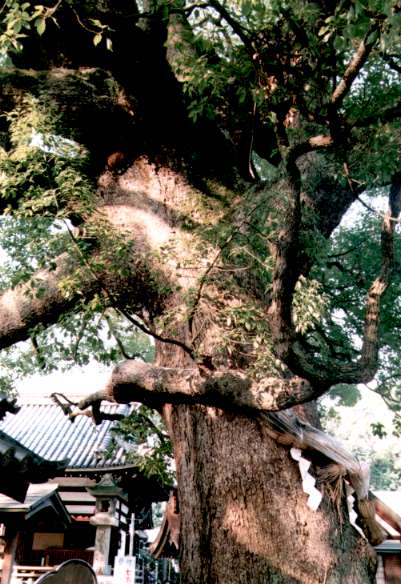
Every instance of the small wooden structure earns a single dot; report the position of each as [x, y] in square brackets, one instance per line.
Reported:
[167, 542]
[388, 509]
[89, 511]
[42, 503]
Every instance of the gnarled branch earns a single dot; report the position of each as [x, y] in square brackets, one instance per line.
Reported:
[364, 369]
[134, 381]
[355, 65]
[41, 300]
[319, 142]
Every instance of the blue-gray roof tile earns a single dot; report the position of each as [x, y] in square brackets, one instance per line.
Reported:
[44, 429]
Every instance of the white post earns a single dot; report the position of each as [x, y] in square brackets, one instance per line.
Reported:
[131, 535]
[121, 549]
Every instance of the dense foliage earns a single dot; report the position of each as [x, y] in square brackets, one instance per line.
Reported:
[182, 169]
[243, 66]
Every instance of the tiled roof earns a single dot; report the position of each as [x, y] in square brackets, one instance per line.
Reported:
[38, 498]
[44, 429]
[19, 466]
[35, 494]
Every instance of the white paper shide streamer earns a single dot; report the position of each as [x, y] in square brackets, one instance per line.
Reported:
[353, 515]
[308, 481]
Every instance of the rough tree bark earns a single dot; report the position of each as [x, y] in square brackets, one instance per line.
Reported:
[243, 511]
[248, 519]
[183, 195]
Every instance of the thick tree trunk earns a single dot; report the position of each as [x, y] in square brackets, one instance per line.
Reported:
[182, 243]
[244, 515]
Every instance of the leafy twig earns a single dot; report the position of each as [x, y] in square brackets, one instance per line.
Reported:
[119, 341]
[235, 25]
[355, 65]
[39, 354]
[131, 319]
[79, 337]
[155, 335]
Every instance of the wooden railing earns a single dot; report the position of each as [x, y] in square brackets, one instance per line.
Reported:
[28, 574]
[56, 556]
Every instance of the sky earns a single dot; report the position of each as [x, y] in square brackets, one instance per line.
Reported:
[78, 381]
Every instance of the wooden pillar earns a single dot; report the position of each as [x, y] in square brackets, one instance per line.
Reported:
[12, 537]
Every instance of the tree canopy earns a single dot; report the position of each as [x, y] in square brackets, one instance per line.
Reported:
[302, 102]
[182, 168]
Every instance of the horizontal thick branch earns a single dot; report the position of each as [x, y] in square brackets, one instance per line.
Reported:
[133, 381]
[319, 142]
[40, 301]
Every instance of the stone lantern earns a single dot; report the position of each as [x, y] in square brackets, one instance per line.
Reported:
[105, 519]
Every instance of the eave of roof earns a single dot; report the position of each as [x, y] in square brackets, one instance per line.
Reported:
[38, 498]
[166, 544]
[388, 506]
[389, 546]
[19, 466]
[35, 494]
[44, 429]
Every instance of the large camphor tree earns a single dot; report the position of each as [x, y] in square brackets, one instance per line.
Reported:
[185, 165]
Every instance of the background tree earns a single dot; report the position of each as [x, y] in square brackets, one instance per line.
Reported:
[200, 157]
[365, 426]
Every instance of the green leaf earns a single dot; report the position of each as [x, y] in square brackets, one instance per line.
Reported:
[323, 30]
[97, 38]
[96, 22]
[378, 429]
[246, 8]
[40, 25]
